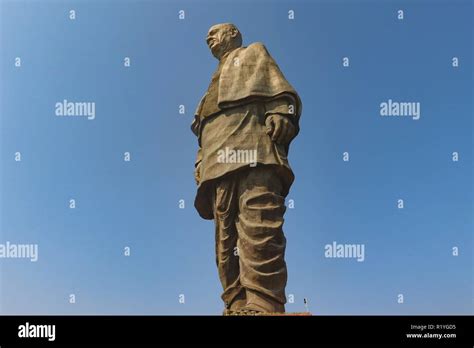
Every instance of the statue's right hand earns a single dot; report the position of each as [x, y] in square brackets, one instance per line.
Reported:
[197, 173]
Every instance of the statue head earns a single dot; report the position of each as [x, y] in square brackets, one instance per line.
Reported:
[223, 38]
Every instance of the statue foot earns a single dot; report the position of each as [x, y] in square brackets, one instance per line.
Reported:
[242, 312]
[261, 303]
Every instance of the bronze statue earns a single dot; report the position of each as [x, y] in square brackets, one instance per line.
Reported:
[245, 123]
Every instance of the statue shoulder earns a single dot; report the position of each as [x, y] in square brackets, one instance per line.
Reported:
[257, 46]
[256, 50]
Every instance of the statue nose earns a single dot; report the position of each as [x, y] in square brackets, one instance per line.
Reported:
[210, 40]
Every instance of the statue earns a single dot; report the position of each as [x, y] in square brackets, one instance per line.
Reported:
[245, 123]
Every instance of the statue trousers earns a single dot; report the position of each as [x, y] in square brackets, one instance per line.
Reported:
[250, 245]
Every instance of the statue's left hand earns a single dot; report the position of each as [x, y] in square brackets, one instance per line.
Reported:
[280, 129]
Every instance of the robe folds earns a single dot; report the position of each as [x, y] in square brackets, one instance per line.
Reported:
[247, 87]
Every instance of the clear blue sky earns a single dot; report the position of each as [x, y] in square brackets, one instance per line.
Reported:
[135, 204]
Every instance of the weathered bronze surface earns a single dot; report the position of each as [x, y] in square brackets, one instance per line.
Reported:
[245, 123]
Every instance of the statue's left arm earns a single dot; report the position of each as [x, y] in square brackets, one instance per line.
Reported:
[280, 119]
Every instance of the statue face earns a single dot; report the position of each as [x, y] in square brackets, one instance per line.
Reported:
[220, 39]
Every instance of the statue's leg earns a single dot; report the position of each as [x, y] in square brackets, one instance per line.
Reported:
[261, 241]
[225, 211]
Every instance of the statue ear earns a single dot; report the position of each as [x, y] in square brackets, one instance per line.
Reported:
[234, 32]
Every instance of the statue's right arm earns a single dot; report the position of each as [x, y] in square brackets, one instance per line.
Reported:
[197, 166]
